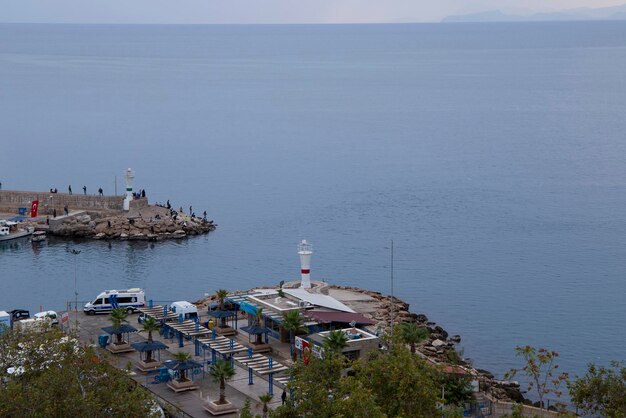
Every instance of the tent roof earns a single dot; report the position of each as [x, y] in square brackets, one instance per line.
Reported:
[343, 317]
[222, 314]
[255, 329]
[318, 299]
[124, 329]
[182, 365]
[144, 346]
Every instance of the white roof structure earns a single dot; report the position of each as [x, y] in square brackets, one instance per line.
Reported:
[318, 299]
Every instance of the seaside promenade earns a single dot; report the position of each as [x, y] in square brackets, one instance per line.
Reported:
[189, 403]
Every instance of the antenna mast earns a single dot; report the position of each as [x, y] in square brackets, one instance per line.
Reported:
[392, 302]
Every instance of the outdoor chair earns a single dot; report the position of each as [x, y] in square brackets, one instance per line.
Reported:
[163, 376]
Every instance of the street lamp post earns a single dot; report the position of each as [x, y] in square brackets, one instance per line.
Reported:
[75, 253]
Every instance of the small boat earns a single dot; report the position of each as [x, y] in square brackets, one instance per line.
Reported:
[38, 236]
[11, 230]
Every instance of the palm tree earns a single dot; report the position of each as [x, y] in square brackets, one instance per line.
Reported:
[294, 323]
[118, 318]
[182, 357]
[265, 399]
[258, 317]
[336, 341]
[412, 334]
[221, 371]
[221, 296]
[149, 325]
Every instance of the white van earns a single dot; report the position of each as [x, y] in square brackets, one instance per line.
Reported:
[187, 309]
[131, 299]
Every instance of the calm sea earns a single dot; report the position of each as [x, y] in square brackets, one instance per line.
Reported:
[493, 155]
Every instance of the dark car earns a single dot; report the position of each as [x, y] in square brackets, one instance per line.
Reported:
[18, 314]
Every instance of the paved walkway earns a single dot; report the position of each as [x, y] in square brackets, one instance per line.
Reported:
[190, 402]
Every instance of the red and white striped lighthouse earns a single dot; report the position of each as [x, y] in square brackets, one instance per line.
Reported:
[304, 251]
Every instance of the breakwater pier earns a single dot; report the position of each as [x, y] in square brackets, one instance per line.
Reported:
[101, 216]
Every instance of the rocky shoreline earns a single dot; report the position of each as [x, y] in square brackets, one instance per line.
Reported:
[152, 223]
[440, 346]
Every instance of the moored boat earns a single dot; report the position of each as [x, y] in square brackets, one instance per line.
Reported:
[11, 230]
[38, 236]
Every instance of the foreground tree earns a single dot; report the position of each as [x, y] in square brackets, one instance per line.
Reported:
[335, 341]
[246, 411]
[321, 391]
[293, 322]
[47, 374]
[258, 319]
[118, 318]
[390, 384]
[403, 385]
[221, 298]
[541, 369]
[458, 388]
[150, 325]
[265, 399]
[602, 390]
[182, 357]
[221, 371]
[412, 334]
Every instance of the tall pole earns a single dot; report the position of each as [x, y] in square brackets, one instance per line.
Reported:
[392, 303]
[75, 252]
[443, 401]
[115, 185]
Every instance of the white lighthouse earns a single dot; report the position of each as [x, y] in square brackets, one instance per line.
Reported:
[130, 176]
[304, 251]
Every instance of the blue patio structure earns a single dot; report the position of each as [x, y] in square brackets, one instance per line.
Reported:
[145, 349]
[123, 346]
[222, 317]
[185, 373]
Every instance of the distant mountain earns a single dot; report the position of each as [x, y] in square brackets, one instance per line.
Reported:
[582, 13]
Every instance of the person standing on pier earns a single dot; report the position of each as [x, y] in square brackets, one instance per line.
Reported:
[100, 191]
[85, 190]
[204, 214]
[65, 210]
[69, 189]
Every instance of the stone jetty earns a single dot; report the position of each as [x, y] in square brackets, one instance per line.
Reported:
[149, 223]
[103, 217]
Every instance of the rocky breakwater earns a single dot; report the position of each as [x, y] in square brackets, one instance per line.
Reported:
[151, 223]
[439, 348]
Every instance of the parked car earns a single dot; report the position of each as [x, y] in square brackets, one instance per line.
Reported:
[47, 316]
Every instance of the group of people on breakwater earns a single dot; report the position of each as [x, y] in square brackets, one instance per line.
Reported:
[146, 223]
[69, 190]
[174, 214]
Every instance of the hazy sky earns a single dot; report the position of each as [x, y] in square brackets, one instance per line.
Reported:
[266, 11]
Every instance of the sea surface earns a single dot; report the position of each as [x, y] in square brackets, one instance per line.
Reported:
[493, 155]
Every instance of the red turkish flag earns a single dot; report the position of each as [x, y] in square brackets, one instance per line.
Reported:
[306, 352]
[33, 208]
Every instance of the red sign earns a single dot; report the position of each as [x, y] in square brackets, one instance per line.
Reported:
[33, 208]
